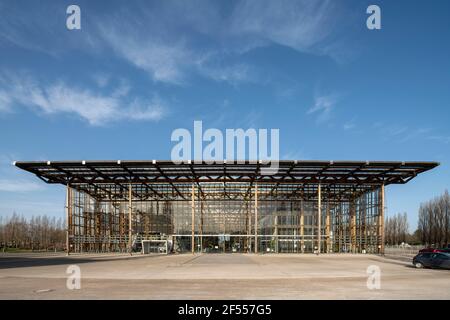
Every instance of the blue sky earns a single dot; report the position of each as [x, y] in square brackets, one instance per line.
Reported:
[137, 70]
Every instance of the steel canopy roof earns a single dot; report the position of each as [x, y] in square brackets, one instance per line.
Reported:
[290, 171]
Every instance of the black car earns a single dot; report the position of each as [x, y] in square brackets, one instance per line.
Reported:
[432, 260]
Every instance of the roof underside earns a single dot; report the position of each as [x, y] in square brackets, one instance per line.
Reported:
[295, 171]
[164, 180]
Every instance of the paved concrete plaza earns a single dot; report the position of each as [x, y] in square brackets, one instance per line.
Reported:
[217, 276]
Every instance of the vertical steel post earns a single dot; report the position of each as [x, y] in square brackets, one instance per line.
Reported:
[193, 219]
[352, 209]
[328, 228]
[319, 213]
[276, 233]
[110, 219]
[256, 217]
[302, 227]
[201, 221]
[381, 217]
[130, 208]
[68, 217]
[249, 226]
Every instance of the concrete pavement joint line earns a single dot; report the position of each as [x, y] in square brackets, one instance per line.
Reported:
[43, 290]
[190, 260]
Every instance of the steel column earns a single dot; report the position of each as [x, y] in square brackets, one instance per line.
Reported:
[302, 227]
[68, 217]
[319, 214]
[327, 228]
[381, 219]
[130, 224]
[256, 217]
[249, 226]
[352, 226]
[201, 222]
[193, 219]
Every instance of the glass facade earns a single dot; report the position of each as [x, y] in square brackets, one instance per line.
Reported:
[225, 217]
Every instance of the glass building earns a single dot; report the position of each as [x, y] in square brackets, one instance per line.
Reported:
[303, 207]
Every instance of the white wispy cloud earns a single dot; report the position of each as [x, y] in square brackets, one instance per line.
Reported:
[350, 124]
[163, 38]
[94, 107]
[40, 27]
[297, 24]
[233, 74]
[101, 79]
[396, 130]
[122, 89]
[322, 108]
[155, 109]
[165, 62]
[402, 134]
[172, 39]
[414, 134]
[5, 101]
[171, 59]
[440, 139]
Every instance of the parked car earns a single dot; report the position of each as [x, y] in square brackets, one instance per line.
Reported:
[422, 259]
[432, 260]
[426, 250]
[446, 250]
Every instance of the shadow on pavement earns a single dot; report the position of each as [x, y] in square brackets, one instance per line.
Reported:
[8, 262]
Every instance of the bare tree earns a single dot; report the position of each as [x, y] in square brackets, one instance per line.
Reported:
[36, 233]
[434, 221]
[397, 229]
